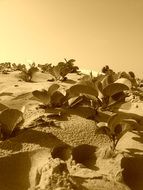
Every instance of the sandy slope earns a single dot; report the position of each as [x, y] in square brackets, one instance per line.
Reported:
[22, 156]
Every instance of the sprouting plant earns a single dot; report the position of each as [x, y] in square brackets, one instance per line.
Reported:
[51, 97]
[117, 126]
[27, 74]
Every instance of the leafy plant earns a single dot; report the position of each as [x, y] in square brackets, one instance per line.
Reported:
[45, 68]
[9, 120]
[50, 97]
[27, 74]
[116, 126]
[60, 71]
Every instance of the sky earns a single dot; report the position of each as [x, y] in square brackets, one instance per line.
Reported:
[93, 32]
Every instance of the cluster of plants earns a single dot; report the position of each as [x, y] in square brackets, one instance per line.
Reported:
[106, 92]
[60, 70]
[27, 74]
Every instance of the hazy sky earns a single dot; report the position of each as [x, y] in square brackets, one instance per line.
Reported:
[94, 32]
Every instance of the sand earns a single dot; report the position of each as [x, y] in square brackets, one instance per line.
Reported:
[26, 160]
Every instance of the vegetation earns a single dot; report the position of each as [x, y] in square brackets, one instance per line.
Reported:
[27, 74]
[107, 91]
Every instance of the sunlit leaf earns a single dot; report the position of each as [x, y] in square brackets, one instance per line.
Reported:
[78, 89]
[124, 81]
[114, 88]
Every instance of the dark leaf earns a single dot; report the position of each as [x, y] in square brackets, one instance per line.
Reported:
[9, 119]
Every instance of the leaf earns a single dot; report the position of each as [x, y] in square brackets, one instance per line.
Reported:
[124, 81]
[75, 101]
[78, 89]
[114, 88]
[108, 79]
[3, 107]
[26, 95]
[42, 96]
[45, 96]
[9, 119]
[55, 71]
[53, 89]
[57, 99]
[103, 128]
[119, 123]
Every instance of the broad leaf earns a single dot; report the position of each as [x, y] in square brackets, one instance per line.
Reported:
[114, 88]
[3, 107]
[78, 89]
[119, 123]
[75, 101]
[9, 119]
[57, 99]
[53, 88]
[42, 96]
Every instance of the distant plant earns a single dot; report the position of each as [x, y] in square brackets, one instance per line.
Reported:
[19, 67]
[27, 74]
[45, 67]
[130, 76]
[60, 71]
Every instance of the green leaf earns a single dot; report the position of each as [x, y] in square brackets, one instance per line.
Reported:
[9, 119]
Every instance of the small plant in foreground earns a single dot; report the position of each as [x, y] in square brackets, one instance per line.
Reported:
[51, 97]
[9, 121]
[116, 126]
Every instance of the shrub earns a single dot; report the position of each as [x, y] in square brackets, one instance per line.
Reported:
[27, 74]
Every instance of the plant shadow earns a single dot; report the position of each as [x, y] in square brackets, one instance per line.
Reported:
[14, 171]
[32, 137]
[133, 170]
[140, 136]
